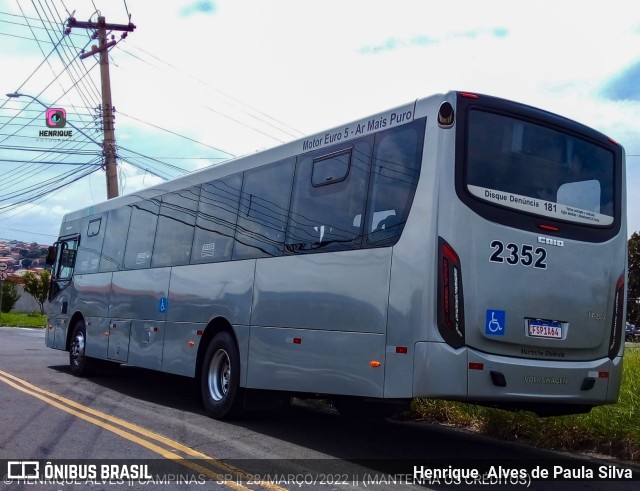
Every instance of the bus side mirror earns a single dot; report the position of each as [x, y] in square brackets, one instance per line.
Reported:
[51, 256]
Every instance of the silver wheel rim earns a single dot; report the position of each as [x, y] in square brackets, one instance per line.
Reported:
[219, 375]
[77, 349]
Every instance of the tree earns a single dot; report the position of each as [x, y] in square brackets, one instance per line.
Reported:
[9, 296]
[633, 288]
[26, 262]
[37, 285]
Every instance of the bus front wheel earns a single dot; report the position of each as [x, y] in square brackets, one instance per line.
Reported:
[78, 361]
[220, 378]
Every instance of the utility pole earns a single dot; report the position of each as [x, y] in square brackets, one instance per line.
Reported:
[108, 124]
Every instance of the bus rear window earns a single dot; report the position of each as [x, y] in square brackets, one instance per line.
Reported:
[536, 169]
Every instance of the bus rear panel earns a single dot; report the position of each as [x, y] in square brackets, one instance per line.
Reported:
[531, 262]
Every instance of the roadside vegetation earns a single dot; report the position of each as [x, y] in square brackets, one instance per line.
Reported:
[611, 430]
[14, 319]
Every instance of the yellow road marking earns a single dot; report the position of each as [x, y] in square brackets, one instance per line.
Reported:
[66, 405]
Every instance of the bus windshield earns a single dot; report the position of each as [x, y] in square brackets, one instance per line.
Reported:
[536, 169]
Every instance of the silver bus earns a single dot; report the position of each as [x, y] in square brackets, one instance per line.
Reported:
[460, 247]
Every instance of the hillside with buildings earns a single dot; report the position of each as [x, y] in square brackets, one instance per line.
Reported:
[21, 257]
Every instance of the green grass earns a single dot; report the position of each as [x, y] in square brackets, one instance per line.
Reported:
[14, 319]
[612, 430]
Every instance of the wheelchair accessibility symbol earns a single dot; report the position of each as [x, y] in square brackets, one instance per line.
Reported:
[495, 322]
[163, 305]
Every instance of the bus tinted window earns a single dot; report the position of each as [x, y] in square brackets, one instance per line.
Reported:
[216, 222]
[331, 168]
[264, 205]
[323, 217]
[93, 228]
[115, 239]
[142, 230]
[67, 260]
[174, 237]
[90, 247]
[396, 168]
[539, 170]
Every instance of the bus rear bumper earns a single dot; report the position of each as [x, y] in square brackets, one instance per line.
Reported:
[467, 374]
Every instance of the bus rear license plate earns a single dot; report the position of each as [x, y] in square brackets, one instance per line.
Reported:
[545, 329]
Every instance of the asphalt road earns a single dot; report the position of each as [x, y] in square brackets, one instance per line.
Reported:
[138, 416]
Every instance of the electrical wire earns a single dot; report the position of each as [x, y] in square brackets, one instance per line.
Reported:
[174, 133]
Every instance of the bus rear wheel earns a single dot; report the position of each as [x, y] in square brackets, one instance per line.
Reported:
[220, 378]
[78, 361]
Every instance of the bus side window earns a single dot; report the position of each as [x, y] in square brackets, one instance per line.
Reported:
[264, 205]
[328, 196]
[115, 239]
[216, 221]
[174, 236]
[142, 231]
[90, 246]
[397, 156]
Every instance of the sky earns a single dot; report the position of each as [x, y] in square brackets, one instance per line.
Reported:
[201, 81]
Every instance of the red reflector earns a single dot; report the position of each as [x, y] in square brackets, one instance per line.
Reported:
[469, 95]
[155, 329]
[402, 350]
[476, 366]
[548, 227]
[199, 332]
[297, 340]
[603, 374]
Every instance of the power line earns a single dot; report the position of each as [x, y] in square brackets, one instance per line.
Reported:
[25, 232]
[171, 166]
[42, 188]
[299, 133]
[49, 150]
[69, 63]
[43, 162]
[8, 14]
[263, 120]
[62, 47]
[174, 133]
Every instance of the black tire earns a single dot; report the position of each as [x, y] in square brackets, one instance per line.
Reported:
[79, 364]
[220, 378]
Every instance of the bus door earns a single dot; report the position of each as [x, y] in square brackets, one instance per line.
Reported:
[62, 258]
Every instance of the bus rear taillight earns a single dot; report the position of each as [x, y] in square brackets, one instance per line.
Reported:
[450, 298]
[617, 319]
